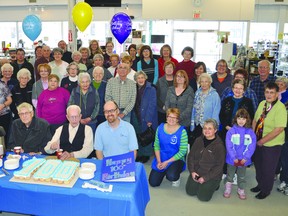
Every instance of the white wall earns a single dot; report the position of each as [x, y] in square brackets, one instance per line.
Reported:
[61, 13]
[210, 9]
[57, 10]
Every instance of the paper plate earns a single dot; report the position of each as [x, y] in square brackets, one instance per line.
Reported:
[11, 164]
[86, 173]
[89, 165]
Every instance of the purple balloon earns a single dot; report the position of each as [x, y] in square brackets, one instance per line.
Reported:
[121, 26]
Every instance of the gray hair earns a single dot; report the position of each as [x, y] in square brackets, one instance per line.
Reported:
[123, 54]
[85, 48]
[7, 66]
[76, 53]
[205, 75]
[138, 73]
[57, 49]
[282, 79]
[24, 72]
[83, 75]
[26, 105]
[98, 68]
[98, 56]
[73, 63]
[211, 121]
[73, 107]
[265, 61]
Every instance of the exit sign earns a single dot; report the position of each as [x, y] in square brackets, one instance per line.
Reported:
[197, 14]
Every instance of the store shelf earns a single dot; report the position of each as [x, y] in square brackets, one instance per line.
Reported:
[282, 57]
[252, 66]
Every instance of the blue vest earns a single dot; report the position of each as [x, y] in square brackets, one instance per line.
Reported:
[169, 145]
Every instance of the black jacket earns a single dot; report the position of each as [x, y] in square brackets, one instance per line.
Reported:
[31, 139]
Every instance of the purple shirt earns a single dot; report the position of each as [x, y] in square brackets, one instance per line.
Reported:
[52, 105]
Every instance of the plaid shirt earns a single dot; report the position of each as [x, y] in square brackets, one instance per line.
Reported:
[259, 86]
[122, 92]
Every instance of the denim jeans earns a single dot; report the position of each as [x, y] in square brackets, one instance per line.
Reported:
[172, 173]
[284, 163]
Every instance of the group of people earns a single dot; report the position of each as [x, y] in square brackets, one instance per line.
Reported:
[94, 100]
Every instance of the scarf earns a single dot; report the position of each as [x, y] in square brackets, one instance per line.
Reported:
[260, 123]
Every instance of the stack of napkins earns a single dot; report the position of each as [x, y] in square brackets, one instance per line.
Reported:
[100, 186]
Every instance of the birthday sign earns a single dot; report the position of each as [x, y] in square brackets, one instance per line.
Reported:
[119, 168]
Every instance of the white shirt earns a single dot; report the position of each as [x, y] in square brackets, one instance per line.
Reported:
[87, 145]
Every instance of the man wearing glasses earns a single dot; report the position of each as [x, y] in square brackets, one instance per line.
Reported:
[258, 83]
[75, 139]
[114, 136]
[29, 132]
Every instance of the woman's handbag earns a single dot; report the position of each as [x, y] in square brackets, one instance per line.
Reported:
[146, 137]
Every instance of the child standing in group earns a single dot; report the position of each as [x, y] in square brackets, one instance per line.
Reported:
[240, 145]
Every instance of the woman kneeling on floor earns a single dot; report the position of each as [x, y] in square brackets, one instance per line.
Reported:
[170, 148]
[205, 163]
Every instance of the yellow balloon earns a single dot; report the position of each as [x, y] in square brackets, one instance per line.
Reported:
[82, 15]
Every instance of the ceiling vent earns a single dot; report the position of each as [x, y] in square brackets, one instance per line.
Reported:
[32, 1]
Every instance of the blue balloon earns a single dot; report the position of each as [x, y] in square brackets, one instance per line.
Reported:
[121, 26]
[32, 26]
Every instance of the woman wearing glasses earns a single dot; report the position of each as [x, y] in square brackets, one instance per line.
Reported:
[181, 96]
[221, 78]
[170, 148]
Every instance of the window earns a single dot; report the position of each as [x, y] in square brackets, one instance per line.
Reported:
[262, 31]
[237, 31]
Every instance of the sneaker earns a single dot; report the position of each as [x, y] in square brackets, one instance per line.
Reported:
[176, 183]
[241, 194]
[235, 180]
[282, 187]
[228, 189]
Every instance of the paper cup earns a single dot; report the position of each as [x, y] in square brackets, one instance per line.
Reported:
[59, 153]
[17, 150]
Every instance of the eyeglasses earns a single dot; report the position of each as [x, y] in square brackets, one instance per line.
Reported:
[221, 65]
[122, 68]
[241, 89]
[180, 77]
[110, 111]
[263, 67]
[172, 117]
[74, 117]
[239, 77]
[24, 114]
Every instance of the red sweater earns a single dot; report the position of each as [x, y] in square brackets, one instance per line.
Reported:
[161, 65]
[187, 66]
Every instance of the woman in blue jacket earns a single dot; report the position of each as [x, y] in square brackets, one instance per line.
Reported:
[207, 104]
[144, 114]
